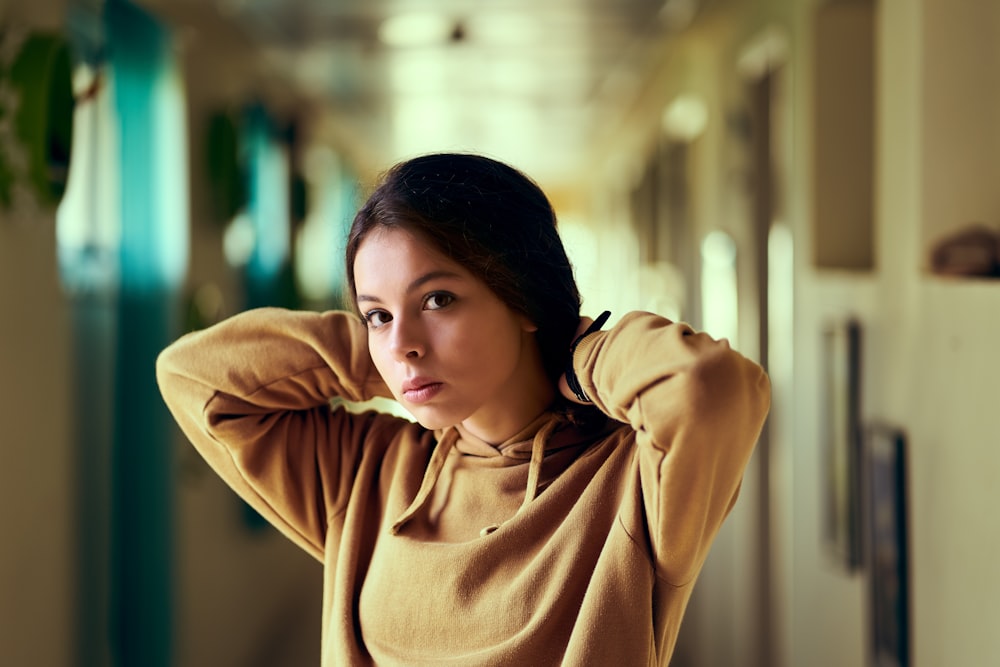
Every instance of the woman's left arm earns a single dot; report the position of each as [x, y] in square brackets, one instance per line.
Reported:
[697, 407]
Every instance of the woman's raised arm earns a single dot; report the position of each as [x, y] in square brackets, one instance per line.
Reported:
[252, 394]
[697, 407]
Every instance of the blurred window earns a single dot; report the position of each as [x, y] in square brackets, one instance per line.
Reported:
[321, 241]
[153, 179]
[719, 306]
[269, 207]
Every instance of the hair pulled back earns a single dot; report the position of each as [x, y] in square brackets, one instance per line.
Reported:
[492, 220]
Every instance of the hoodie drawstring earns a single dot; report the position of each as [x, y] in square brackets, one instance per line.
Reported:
[440, 455]
[535, 466]
[434, 468]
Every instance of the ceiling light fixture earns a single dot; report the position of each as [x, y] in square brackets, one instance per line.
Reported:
[685, 118]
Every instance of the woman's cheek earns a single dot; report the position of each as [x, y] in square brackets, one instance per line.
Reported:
[378, 360]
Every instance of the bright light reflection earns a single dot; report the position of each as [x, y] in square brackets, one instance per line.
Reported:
[661, 288]
[419, 73]
[319, 247]
[780, 302]
[171, 128]
[512, 124]
[504, 29]
[719, 307]
[425, 124]
[581, 248]
[508, 130]
[238, 240]
[418, 29]
[515, 75]
[685, 118]
[269, 197]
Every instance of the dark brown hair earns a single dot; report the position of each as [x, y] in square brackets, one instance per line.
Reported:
[492, 220]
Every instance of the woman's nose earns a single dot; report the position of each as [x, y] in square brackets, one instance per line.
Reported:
[407, 339]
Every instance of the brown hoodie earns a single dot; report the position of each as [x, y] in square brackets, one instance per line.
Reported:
[551, 548]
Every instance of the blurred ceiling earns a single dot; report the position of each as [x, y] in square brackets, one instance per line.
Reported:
[537, 83]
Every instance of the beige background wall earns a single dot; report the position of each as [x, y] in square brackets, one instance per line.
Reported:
[36, 564]
[36, 560]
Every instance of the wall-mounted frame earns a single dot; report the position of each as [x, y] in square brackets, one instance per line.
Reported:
[840, 438]
[887, 552]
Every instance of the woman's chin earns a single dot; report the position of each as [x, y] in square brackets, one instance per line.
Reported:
[432, 419]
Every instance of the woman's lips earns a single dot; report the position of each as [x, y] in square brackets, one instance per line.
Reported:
[421, 390]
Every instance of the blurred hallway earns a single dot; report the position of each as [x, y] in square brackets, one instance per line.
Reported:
[777, 172]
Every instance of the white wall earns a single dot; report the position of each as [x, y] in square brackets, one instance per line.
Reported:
[938, 335]
[930, 364]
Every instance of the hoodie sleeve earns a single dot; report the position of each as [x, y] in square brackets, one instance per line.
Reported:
[697, 408]
[252, 394]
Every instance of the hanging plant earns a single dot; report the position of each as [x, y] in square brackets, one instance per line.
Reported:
[36, 120]
[226, 169]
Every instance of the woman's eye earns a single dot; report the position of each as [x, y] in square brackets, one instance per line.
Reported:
[438, 300]
[376, 318]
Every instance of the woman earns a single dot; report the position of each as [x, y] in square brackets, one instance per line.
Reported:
[558, 494]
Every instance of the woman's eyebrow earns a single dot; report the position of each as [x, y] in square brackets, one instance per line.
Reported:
[415, 284]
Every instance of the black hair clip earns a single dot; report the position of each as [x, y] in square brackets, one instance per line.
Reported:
[571, 379]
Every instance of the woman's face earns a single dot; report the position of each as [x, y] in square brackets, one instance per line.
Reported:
[448, 348]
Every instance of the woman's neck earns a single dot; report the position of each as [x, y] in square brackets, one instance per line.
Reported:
[529, 394]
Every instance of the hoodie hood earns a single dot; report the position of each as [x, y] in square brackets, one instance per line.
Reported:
[545, 437]
[555, 432]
